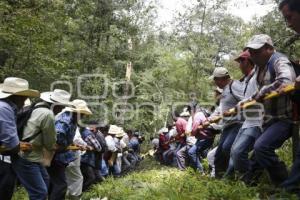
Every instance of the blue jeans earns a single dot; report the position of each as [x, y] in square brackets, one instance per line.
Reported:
[104, 169]
[181, 157]
[168, 156]
[222, 155]
[58, 181]
[33, 176]
[116, 170]
[241, 147]
[7, 180]
[271, 139]
[195, 150]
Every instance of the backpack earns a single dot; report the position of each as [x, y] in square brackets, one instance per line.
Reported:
[22, 118]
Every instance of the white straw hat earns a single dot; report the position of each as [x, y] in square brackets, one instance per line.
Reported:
[121, 133]
[80, 106]
[113, 130]
[16, 86]
[57, 96]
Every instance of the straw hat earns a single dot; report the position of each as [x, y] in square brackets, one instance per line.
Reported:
[80, 106]
[57, 96]
[121, 133]
[113, 130]
[16, 86]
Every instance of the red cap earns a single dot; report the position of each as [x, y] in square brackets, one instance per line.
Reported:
[244, 54]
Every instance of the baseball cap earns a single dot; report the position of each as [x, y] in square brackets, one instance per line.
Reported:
[220, 72]
[244, 54]
[257, 41]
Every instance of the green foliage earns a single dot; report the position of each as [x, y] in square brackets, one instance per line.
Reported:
[155, 181]
[152, 180]
[46, 41]
[284, 38]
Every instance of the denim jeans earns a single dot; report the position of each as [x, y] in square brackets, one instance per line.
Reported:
[114, 170]
[132, 159]
[271, 139]
[241, 147]
[181, 157]
[88, 174]
[168, 156]
[58, 181]
[33, 176]
[104, 169]
[195, 150]
[7, 180]
[222, 155]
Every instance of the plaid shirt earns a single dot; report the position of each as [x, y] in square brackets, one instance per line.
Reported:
[281, 107]
[90, 139]
[89, 157]
[65, 126]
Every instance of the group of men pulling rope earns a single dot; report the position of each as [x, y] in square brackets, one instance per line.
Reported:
[255, 116]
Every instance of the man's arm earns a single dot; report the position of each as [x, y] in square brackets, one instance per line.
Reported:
[285, 74]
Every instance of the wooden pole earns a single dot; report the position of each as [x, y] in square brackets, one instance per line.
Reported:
[127, 78]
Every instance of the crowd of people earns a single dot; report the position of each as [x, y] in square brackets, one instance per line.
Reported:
[46, 147]
[50, 151]
[252, 123]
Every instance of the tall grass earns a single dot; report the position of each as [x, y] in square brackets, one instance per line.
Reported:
[153, 181]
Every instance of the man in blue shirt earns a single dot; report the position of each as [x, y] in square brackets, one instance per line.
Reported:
[13, 93]
[65, 125]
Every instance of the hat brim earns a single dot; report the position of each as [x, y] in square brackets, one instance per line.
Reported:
[120, 135]
[25, 93]
[4, 95]
[237, 59]
[255, 45]
[80, 111]
[111, 133]
[46, 96]
[221, 76]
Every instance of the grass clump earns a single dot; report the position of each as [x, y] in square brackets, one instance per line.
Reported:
[153, 181]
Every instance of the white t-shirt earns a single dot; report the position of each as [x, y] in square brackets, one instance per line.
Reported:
[111, 144]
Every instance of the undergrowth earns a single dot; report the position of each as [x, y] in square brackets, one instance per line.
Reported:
[153, 181]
